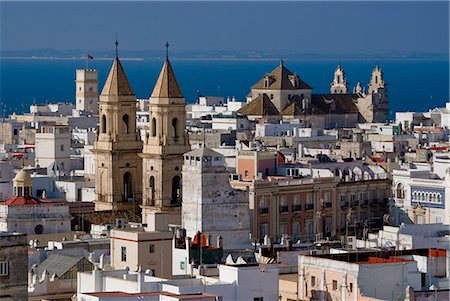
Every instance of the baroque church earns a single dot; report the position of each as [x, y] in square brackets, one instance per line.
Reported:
[132, 175]
[282, 94]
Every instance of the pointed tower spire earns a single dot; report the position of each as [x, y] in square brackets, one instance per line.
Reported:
[167, 86]
[167, 50]
[117, 48]
[117, 82]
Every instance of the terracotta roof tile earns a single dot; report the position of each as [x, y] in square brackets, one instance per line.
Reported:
[281, 80]
[260, 106]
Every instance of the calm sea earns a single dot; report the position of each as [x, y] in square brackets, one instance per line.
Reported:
[413, 85]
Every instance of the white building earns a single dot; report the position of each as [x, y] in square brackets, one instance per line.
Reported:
[210, 205]
[87, 90]
[212, 105]
[409, 237]
[149, 248]
[59, 109]
[25, 214]
[236, 281]
[422, 192]
[53, 146]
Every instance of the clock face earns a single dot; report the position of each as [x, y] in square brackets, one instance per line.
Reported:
[39, 229]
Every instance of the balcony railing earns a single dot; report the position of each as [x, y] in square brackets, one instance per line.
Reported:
[354, 203]
[309, 206]
[284, 208]
[327, 205]
[364, 202]
[373, 203]
[344, 204]
[263, 210]
[296, 207]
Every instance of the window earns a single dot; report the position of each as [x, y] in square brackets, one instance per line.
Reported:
[175, 127]
[103, 124]
[176, 191]
[246, 173]
[263, 230]
[283, 204]
[26, 191]
[334, 285]
[313, 281]
[258, 299]
[4, 268]
[295, 229]
[263, 206]
[125, 120]
[151, 248]
[271, 96]
[283, 228]
[123, 253]
[351, 287]
[62, 147]
[153, 127]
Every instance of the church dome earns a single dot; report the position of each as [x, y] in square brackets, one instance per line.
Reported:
[24, 177]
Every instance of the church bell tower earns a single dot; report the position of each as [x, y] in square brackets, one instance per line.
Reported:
[164, 146]
[118, 167]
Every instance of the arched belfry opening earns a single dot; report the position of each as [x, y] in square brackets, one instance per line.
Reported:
[103, 124]
[176, 191]
[175, 127]
[153, 127]
[128, 186]
[126, 125]
[152, 189]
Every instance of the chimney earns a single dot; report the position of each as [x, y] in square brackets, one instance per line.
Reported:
[157, 221]
[219, 241]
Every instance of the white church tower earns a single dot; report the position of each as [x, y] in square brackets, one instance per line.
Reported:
[87, 90]
[339, 84]
[210, 205]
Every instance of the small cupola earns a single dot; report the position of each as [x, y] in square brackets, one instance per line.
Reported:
[22, 184]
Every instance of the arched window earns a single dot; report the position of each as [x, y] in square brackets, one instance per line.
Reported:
[176, 190]
[127, 186]
[175, 127]
[400, 193]
[125, 123]
[295, 229]
[153, 127]
[152, 189]
[103, 124]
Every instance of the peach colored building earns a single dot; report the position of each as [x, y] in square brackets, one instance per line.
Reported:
[256, 164]
[300, 208]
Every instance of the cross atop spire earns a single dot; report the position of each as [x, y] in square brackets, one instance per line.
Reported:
[167, 49]
[117, 47]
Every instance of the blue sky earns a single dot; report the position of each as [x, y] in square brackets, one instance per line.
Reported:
[327, 27]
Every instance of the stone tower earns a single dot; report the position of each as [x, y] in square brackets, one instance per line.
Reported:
[376, 81]
[164, 146]
[210, 205]
[118, 167]
[339, 84]
[373, 106]
[87, 90]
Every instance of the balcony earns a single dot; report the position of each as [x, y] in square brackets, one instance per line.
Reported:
[373, 203]
[263, 210]
[284, 209]
[309, 206]
[364, 202]
[344, 204]
[354, 203]
[384, 202]
[327, 205]
[296, 208]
